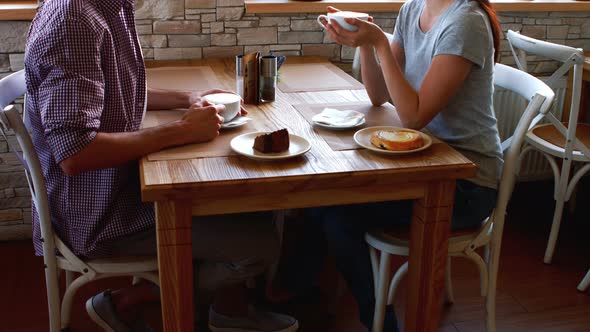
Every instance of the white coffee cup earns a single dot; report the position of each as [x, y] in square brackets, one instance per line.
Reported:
[231, 102]
[340, 16]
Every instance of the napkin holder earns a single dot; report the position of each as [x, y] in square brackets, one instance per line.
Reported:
[250, 66]
[250, 73]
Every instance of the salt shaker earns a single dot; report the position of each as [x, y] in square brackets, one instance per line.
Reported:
[268, 78]
[239, 75]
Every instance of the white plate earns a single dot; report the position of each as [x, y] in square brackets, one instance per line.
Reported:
[363, 138]
[235, 123]
[243, 145]
[335, 127]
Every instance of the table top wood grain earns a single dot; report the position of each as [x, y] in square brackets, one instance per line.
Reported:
[206, 177]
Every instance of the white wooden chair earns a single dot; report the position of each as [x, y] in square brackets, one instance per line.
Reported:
[557, 141]
[489, 235]
[11, 88]
[585, 282]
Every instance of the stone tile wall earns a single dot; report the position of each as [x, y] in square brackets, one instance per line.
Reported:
[184, 29]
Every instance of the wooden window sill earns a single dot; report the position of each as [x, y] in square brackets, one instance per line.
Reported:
[18, 10]
[373, 6]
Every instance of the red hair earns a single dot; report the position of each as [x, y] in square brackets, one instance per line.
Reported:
[494, 24]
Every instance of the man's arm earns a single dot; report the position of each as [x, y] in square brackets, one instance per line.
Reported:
[159, 99]
[106, 150]
[166, 99]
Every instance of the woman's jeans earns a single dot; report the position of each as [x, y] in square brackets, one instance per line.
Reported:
[344, 227]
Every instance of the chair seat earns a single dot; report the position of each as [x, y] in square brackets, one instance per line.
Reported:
[548, 139]
[116, 265]
[395, 239]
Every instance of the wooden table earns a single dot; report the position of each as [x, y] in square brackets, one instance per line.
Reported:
[205, 186]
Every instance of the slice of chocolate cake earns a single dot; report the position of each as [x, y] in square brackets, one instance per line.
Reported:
[277, 141]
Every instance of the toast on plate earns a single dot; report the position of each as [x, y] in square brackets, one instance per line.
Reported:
[397, 140]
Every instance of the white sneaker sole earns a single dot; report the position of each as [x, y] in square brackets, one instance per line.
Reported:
[213, 328]
[96, 318]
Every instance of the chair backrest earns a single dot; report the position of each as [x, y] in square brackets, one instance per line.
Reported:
[11, 88]
[571, 59]
[540, 98]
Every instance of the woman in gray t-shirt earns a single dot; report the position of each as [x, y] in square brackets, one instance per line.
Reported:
[438, 71]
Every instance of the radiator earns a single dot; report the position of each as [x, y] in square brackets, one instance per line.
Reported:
[509, 108]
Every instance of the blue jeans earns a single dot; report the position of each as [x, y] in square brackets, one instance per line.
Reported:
[343, 228]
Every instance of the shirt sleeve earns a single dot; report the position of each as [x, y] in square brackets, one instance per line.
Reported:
[399, 26]
[467, 36]
[71, 94]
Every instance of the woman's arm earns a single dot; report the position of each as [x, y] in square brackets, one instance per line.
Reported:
[373, 75]
[415, 108]
[442, 81]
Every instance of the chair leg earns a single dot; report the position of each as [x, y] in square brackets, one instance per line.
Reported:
[585, 283]
[379, 314]
[69, 278]
[374, 268]
[397, 277]
[52, 284]
[450, 298]
[66, 305]
[493, 265]
[560, 196]
[491, 311]
[559, 203]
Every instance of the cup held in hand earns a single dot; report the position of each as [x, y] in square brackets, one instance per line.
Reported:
[340, 16]
[231, 102]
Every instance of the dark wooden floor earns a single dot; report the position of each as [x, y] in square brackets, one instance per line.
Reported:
[531, 296]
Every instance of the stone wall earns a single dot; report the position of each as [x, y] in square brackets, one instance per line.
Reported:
[184, 29]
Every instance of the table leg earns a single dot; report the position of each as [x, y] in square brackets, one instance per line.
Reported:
[429, 239]
[173, 225]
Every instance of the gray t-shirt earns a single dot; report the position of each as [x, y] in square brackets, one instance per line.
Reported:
[468, 122]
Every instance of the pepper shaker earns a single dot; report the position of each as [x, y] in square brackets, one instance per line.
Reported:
[240, 75]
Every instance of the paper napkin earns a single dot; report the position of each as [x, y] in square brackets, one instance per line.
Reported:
[337, 118]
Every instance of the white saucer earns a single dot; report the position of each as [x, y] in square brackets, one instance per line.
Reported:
[238, 121]
[363, 138]
[243, 145]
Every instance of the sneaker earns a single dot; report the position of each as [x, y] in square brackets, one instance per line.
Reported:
[101, 310]
[256, 321]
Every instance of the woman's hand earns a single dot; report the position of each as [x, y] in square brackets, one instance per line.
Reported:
[368, 33]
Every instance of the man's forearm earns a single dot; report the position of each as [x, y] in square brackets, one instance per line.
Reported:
[108, 150]
[166, 99]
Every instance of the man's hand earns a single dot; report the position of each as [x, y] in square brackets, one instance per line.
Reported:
[201, 122]
[197, 98]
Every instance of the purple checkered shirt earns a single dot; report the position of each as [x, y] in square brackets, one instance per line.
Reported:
[85, 74]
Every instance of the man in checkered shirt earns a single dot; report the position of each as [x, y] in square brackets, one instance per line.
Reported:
[86, 100]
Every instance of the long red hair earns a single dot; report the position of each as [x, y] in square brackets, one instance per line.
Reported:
[494, 23]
